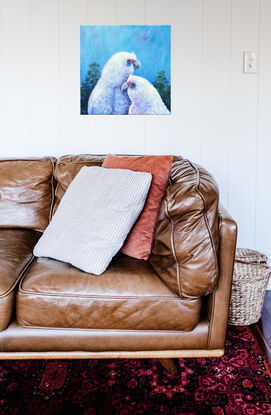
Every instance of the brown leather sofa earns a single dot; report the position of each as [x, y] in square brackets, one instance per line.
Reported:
[174, 305]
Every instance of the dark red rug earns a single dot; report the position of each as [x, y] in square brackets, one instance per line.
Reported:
[238, 383]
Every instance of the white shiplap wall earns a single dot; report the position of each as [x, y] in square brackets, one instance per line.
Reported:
[220, 116]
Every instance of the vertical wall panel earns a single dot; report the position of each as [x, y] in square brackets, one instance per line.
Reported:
[15, 78]
[159, 129]
[263, 192]
[1, 78]
[44, 51]
[215, 90]
[130, 131]
[159, 11]
[72, 131]
[243, 120]
[100, 139]
[187, 87]
[127, 13]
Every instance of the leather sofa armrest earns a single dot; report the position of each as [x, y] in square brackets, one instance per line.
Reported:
[185, 248]
[16, 246]
[218, 302]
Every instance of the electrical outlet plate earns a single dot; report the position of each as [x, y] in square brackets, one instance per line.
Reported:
[250, 64]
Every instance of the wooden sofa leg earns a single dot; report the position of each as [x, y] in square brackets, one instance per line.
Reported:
[169, 366]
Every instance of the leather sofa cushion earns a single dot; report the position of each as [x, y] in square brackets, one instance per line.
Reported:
[67, 168]
[128, 296]
[26, 192]
[16, 247]
[186, 241]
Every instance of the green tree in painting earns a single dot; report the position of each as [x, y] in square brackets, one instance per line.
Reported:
[91, 79]
[162, 85]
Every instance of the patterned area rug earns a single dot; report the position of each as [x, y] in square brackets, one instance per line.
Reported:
[238, 383]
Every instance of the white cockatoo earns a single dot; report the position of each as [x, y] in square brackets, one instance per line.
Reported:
[144, 96]
[107, 97]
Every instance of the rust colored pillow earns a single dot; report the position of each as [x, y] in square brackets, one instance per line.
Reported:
[139, 241]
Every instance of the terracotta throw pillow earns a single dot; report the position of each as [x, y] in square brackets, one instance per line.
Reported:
[139, 241]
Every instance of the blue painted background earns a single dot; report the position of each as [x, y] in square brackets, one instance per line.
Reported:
[151, 44]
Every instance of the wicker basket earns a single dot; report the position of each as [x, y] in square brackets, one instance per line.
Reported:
[250, 279]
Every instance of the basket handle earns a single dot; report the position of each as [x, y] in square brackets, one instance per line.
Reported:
[252, 262]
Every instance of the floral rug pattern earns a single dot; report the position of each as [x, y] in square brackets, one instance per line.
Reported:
[236, 384]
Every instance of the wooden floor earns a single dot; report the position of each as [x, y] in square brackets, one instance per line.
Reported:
[262, 329]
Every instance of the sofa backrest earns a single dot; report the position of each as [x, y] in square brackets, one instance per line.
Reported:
[26, 192]
[186, 240]
[67, 168]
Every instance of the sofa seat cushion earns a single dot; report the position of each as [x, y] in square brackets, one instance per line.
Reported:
[128, 296]
[16, 247]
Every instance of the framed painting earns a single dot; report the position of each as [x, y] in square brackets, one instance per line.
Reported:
[125, 70]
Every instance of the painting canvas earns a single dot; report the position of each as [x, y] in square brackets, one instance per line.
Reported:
[125, 70]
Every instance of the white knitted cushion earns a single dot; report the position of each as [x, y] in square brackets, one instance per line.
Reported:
[94, 217]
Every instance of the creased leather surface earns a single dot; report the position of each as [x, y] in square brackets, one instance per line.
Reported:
[26, 192]
[125, 279]
[66, 169]
[15, 253]
[24, 339]
[128, 295]
[218, 302]
[186, 241]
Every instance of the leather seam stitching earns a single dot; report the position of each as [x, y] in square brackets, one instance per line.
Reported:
[205, 215]
[61, 163]
[23, 270]
[150, 298]
[210, 331]
[52, 192]
[173, 248]
[102, 330]
[24, 159]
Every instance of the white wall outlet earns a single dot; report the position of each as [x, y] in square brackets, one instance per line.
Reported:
[250, 63]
